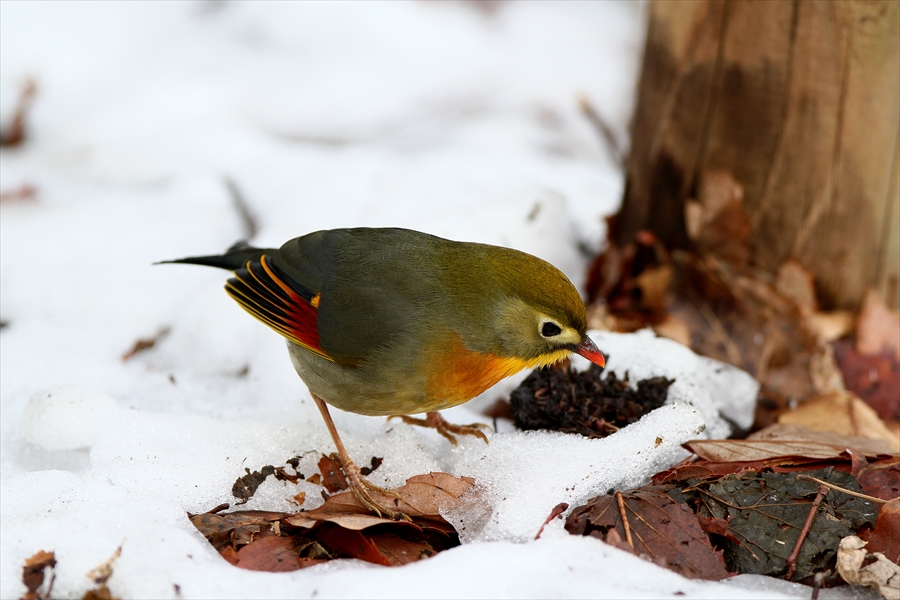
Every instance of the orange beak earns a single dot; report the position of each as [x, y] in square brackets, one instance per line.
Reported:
[590, 351]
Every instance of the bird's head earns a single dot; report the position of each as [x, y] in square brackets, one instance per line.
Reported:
[539, 316]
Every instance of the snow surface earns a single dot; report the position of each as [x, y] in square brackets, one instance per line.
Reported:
[442, 117]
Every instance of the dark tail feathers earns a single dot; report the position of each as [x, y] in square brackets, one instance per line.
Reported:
[234, 258]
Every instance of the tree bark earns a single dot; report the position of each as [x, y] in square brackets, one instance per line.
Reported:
[800, 102]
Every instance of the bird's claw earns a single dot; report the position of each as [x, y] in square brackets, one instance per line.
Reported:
[434, 420]
[360, 487]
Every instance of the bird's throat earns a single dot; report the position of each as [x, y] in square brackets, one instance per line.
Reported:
[457, 375]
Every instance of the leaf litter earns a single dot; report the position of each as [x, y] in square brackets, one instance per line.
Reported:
[776, 504]
[656, 526]
[245, 487]
[704, 290]
[340, 528]
[35, 577]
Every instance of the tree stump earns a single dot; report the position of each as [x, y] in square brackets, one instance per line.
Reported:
[800, 103]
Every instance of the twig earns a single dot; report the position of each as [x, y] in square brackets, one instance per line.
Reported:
[792, 559]
[240, 204]
[842, 490]
[625, 520]
[605, 131]
[558, 510]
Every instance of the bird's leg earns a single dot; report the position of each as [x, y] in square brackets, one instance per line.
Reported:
[434, 420]
[358, 484]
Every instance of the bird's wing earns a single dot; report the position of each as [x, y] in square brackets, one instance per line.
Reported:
[278, 300]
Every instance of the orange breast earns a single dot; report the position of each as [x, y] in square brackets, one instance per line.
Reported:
[457, 375]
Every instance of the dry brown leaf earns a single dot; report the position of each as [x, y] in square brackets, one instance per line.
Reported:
[557, 512]
[33, 573]
[211, 524]
[271, 553]
[875, 379]
[144, 344]
[844, 413]
[883, 575]
[423, 496]
[654, 286]
[399, 551]
[797, 283]
[656, 525]
[674, 328]
[878, 328]
[831, 325]
[333, 478]
[866, 446]
[14, 132]
[885, 538]
[348, 520]
[727, 236]
[782, 440]
[880, 478]
[824, 371]
[717, 189]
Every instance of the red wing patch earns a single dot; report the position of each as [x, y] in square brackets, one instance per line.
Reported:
[287, 307]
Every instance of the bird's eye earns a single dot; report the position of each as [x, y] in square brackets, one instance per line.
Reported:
[550, 329]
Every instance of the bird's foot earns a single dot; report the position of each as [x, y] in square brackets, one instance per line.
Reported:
[361, 489]
[434, 420]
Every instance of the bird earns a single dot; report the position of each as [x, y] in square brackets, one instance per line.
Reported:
[395, 322]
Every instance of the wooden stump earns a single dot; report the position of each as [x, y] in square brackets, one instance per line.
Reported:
[800, 102]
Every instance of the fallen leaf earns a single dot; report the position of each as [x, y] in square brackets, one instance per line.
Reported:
[144, 344]
[100, 576]
[422, 497]
[333, 478]
[33, 574]
[878, 327]
[231, 528]
[244, 487]
[786, 440]
[885, 537]
[727, 235]
[831, 325]
[557, 512]
[674, 328]
[14, 132]
[883, 575]
[881, 479]
[653, 284]
[875, 379]
[716, 526]
[660, 527]
[399, 551]
[797, 283]
[340, 528]
[843, 413]
[271, 553]
[767, 512]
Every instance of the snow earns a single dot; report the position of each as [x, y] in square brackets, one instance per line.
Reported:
[442, 117]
